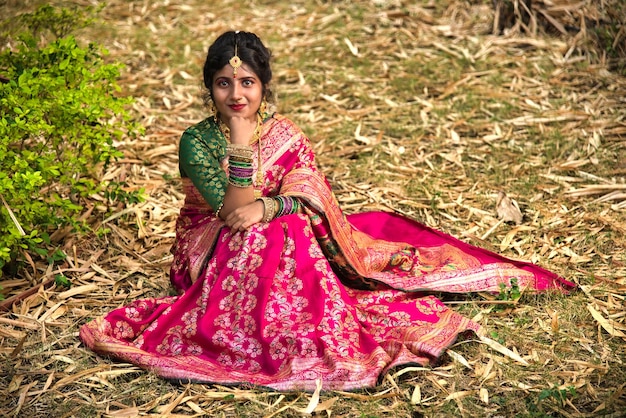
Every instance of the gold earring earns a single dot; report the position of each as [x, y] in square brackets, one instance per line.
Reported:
[212, 110]
[263, 108]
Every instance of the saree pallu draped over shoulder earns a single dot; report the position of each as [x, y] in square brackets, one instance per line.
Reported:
[316, 295]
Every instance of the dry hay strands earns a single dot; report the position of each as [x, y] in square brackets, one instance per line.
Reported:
[607, 192]
[514, 14]
[597, 27]
[564, 17]
[6, 304]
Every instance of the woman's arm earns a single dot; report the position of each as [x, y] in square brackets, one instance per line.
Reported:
[199, 160]
[240, 209]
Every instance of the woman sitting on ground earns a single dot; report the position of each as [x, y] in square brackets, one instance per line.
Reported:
[277, 286]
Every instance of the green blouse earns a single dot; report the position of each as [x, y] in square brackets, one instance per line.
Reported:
[202, 147]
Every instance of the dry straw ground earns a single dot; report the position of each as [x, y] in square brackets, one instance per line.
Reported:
[414, 106]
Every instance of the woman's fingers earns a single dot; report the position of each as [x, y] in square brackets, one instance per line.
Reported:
[237, 222]
[244, 217]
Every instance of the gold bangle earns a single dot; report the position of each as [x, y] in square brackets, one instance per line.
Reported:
[269, 208]
[217, 212]
[242, 151]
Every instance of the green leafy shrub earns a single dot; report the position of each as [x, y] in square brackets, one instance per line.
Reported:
[61, 114]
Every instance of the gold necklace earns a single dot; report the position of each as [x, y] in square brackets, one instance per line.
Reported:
[256, 137]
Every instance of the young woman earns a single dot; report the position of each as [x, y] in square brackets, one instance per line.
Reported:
[277, 287]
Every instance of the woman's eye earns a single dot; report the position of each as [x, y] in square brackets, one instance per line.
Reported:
[222, 83]
[248, 83]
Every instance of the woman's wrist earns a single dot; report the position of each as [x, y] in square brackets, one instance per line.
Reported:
[275, 207]
[286, 205]
[239, 150]
[269, 209]
[240, 169]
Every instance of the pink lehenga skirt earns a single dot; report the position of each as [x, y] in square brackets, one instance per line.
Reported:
[270, 309]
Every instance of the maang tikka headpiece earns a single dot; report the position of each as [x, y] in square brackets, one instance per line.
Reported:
[235, 61]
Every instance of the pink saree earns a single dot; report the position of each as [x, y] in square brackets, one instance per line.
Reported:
[311, 296]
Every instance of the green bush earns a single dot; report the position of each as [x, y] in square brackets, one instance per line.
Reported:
[61, 114]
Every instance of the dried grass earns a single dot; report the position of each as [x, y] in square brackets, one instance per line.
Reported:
[417, 108]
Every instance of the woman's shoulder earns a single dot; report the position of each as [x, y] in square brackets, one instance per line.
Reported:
[204, 135]
[284, 122]
[203, 128]
[204, 132]
[280, 118]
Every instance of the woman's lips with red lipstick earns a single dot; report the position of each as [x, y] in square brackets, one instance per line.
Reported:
[237, 106]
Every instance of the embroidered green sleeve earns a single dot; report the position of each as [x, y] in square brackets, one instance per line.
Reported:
[200, 152]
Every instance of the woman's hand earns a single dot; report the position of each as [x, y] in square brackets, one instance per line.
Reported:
[245, 216]
[241, 129]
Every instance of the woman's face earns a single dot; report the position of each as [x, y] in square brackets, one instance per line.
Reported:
[240, 96]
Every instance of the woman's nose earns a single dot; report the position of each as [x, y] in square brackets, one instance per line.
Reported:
[237, 91]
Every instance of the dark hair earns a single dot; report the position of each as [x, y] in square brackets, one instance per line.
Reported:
[250, 49]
